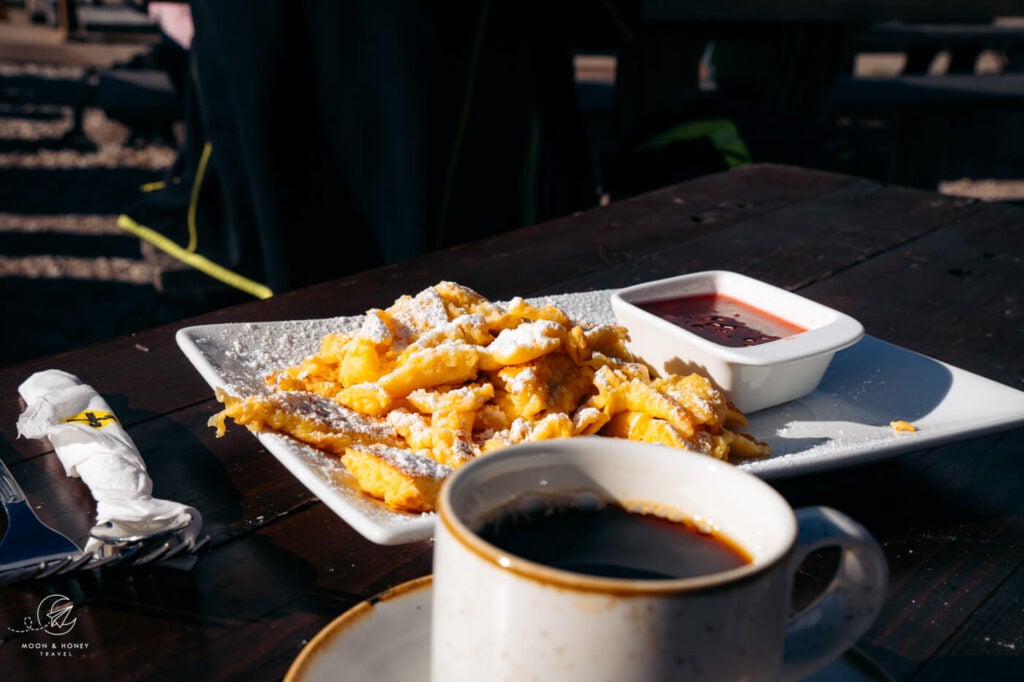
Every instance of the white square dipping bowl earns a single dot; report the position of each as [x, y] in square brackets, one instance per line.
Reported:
[753, 377]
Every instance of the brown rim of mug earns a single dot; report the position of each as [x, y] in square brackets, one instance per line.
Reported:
[559, 578]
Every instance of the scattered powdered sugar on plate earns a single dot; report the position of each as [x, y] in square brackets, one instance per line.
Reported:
[238, 356]
[593, 307]
[243, 354]
[844, 422]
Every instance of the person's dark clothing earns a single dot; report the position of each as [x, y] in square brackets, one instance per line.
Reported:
[328, 137]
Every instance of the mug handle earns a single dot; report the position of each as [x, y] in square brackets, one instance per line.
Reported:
[822, 632]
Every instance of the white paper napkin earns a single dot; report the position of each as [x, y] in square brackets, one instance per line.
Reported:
[92, 445]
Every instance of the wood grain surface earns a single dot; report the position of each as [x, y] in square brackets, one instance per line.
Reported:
[935, 274]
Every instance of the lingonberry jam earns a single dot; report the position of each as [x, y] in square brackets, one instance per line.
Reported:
[722, 319]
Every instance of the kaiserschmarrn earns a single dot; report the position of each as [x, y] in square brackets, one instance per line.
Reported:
[445, 376]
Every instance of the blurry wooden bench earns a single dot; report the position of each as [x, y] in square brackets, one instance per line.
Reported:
[938, 124]
[110, 21]
[938, 127]
[964, 41]
[853, 93]
[97, 22]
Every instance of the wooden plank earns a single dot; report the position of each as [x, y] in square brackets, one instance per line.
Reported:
[265, 594]
[993, 634]
[852, 94]
[827, 10]
[955, 270]
[216, 474]
[235, 483]
[67, 16]
[923, 613]
[139, 376]
[838, 226]
[114, 19]
[282, 565]
[592, 241]
[899, 36]
[23, 41]
[951, 522]
[145, 373]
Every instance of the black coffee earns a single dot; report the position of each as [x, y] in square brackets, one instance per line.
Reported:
[612, 542]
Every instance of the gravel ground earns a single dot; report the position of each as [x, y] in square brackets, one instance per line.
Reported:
[68, 275]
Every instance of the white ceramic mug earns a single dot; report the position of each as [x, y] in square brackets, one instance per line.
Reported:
[497, 616]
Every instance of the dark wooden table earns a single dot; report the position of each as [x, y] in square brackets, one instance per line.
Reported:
[940, 275]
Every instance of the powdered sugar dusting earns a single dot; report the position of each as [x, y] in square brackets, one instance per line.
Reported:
[239, 360]
[414, 315]
[526, 335]
[374, 328]
[522, 381]
[844, 422]
[586, 308]
[408, 462]
[330, 415]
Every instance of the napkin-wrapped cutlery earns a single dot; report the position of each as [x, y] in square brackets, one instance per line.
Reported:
[132, 526]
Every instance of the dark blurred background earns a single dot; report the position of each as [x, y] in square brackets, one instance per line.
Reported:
[88, 115]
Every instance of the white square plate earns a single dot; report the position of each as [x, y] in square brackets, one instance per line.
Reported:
[845, 421]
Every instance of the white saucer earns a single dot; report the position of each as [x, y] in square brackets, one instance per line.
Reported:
[388, 638]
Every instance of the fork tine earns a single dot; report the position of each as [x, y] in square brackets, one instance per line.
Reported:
[135, 554]
[103, 560]
[174, 550]
[53, 567]
[152, 555]
[76, 564]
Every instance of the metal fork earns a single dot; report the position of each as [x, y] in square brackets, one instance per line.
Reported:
[144, 549]
[31, 549]
[29, 546]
